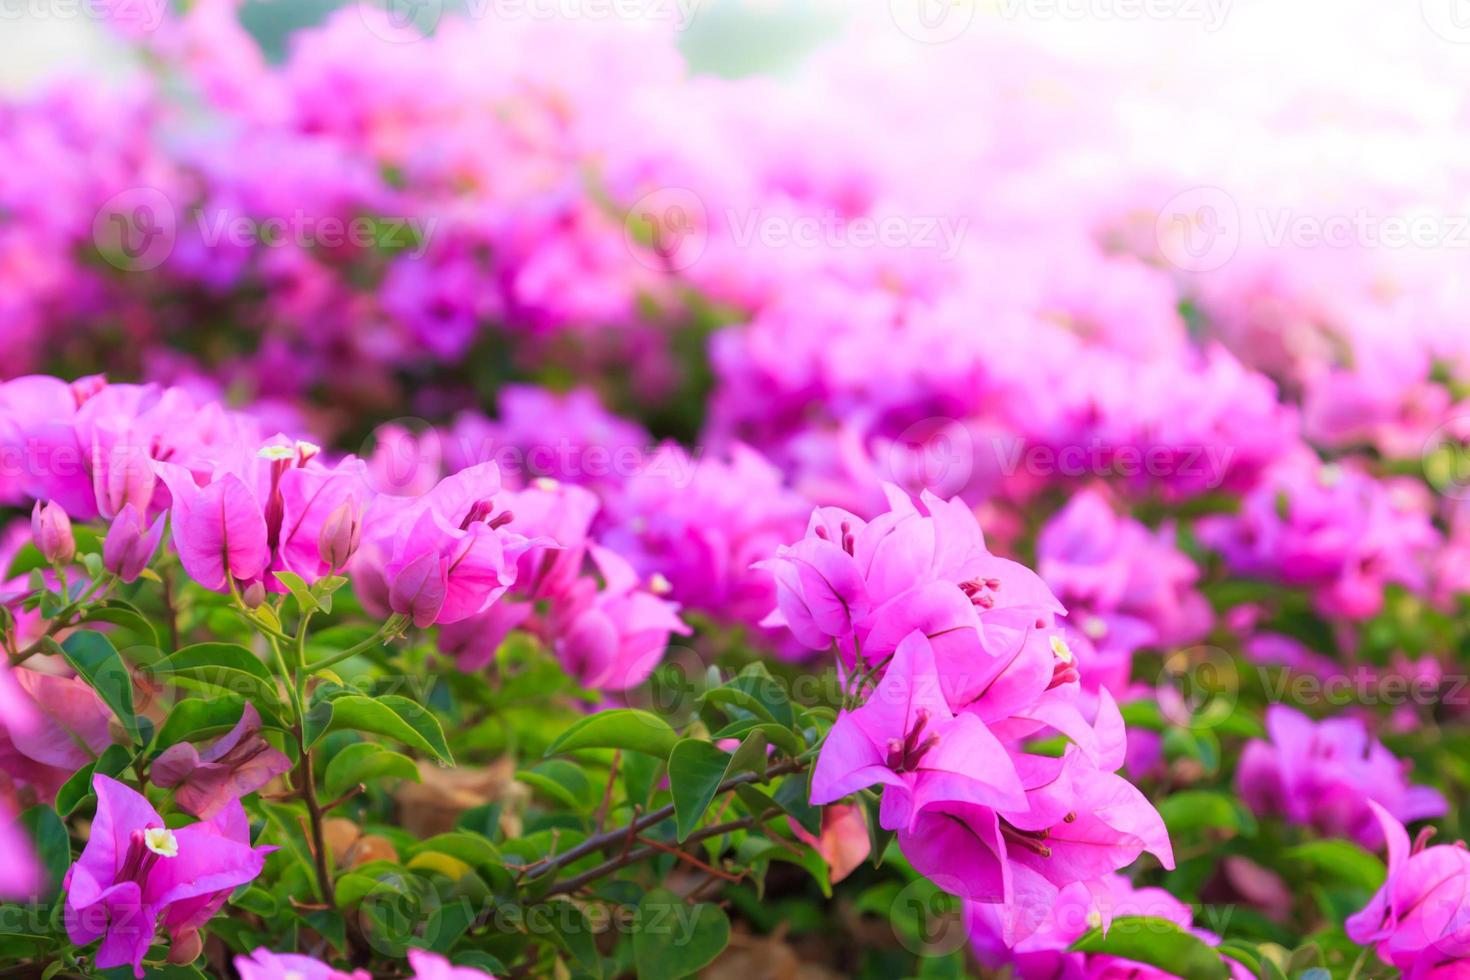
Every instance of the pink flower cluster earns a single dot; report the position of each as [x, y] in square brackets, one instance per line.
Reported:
[1419, 921]
[245, 509]
[972, 665]
[1330, 775]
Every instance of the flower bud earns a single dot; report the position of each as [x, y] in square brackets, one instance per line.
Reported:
[254, 594]
[51, 530]
[128, 547]
[186, 948]
[341, 534]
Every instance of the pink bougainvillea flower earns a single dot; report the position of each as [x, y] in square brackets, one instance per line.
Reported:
[1326, 774]
[218, 530]
[1046, 954]
[612, 637]
[1082, 822]
[430, 966]
[16, 709]
[122, 476]
[261, 513]
[906, 738]
[820, 592]
[1126, 587]
[1419, 921]
[444, 556]
[129, 545]
[550, 511]
[135, 874]
[266, 965]
[865, 585]
[235, 765]
[66, 727]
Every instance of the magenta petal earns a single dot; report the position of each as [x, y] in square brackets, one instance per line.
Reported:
[968, 749]
[849, 761]
[418, 589]
[960, 849]
[910, 685]
[131, 925]
[173, 765]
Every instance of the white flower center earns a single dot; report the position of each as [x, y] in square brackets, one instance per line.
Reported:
[161, 841]
[659, 585]
[1060, 648]
[277, 452]
[545, 483]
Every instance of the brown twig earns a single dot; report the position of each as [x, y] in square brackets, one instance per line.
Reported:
[644, 853]
[314, 811]
[596, 843]
[612, 777]
[690, 859]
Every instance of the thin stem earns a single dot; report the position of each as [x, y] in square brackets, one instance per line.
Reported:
[64, 620]
[612, 777]
[172, 614]
[593, 844]
[644, 853]
[388, 629]
[314, 811]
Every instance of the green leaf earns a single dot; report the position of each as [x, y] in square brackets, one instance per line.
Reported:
[1340, 860]
[757, 681]
[194, 719]
[95, 660]
[794, 797]
[1193, 810]
[1156, 942]
[696, 769]
[224, 666]
[75, 790]
[363, 762]
[878, 838]
[782, 738]
[300, 591]
[566, 924]
[806, 858]
[472, 849]
[672, 939]
[623, 728]
[53, 846]
[391, 716]
[562, 781]
[122, 614]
